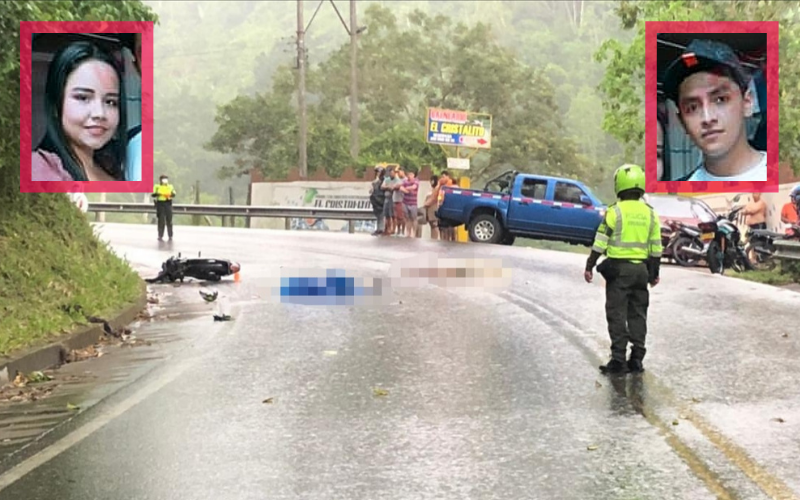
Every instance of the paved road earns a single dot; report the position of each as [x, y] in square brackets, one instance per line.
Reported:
[436, 391]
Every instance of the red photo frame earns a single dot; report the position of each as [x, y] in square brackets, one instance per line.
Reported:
[27, 30]
[652, 30]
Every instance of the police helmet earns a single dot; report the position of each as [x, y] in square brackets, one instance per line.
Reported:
[627, 177]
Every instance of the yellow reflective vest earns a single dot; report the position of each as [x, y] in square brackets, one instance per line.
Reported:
[164, 191]
[630, 231]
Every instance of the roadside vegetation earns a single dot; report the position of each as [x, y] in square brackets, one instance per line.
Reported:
[50, 259]
[782, 275]
[48, 268]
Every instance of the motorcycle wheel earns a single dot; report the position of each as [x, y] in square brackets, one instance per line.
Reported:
[764, 256]
[682, 258]
[716, 260]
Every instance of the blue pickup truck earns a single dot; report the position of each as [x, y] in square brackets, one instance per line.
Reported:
[525, 205]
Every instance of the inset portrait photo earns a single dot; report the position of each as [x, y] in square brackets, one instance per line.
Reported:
[712, 107]
[86, 107]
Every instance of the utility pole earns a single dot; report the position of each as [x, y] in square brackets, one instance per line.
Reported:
[301, 92]
[353, 82]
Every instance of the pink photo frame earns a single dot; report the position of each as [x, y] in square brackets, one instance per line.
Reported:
[652, 29]
[27, 30]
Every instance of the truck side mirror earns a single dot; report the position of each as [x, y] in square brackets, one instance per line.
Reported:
[585, 200]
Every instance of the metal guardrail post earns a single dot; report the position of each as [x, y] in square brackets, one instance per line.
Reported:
[787, 250]
[287, 223]
[351, 226]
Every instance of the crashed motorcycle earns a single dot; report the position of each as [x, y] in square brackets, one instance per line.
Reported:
[178, 269]
[762, 243]
[727, 249]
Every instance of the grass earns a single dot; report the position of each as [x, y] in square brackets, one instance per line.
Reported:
[774, 277]
[558, 246]
[51, 260]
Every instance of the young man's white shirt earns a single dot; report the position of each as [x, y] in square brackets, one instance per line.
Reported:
[758, 173]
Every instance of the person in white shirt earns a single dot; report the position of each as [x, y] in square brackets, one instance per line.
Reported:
[714, 99]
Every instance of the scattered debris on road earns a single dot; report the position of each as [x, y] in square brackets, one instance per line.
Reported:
[76, 355]
[779, 420]
[379, 392]
[31, 387]
[592, 447]
[267, 401]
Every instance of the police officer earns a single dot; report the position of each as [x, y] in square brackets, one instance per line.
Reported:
[163, 193]
[630, 237]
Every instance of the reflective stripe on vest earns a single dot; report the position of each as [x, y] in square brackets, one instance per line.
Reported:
[631, 236]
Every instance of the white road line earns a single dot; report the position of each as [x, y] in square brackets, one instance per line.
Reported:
[97, 423]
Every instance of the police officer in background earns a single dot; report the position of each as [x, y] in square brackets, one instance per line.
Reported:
[163, 194]
[630, 237]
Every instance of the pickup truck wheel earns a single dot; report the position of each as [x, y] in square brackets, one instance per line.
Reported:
[485, 229]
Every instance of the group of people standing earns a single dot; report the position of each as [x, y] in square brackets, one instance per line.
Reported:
[394, 198]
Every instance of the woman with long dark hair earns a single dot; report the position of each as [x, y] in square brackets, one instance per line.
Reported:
[86, 120]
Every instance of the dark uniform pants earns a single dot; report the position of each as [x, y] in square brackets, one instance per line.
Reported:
[627, 300]
[164, 213]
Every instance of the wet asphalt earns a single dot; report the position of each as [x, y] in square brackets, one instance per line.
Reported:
[430, 391]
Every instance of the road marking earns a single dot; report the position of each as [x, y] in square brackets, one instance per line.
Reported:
[768, 483]
[105, 416]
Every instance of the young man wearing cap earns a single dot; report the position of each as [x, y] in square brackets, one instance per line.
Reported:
[711, 91]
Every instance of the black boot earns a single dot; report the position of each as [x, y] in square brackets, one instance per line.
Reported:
[635, 365]
[613, 366]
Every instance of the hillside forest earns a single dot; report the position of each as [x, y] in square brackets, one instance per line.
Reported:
[562, 80]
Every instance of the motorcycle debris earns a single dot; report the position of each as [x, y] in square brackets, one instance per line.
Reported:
[222, 317]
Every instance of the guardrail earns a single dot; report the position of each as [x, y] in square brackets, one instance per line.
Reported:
[787, 250]
[287, 213]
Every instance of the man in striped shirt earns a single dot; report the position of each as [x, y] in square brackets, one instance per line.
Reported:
[410, 189]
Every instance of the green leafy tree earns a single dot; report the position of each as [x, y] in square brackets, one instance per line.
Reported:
[399, 76]
[623, 84]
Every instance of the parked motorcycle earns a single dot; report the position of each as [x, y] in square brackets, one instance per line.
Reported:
[687, 244]
[762, 243]
[177, 269]
[727, 249]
